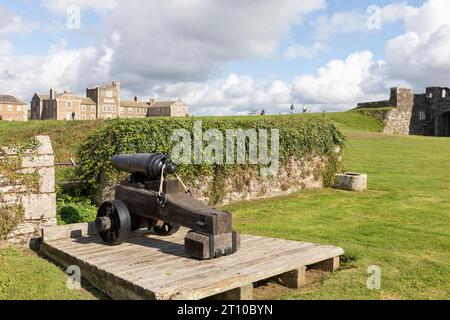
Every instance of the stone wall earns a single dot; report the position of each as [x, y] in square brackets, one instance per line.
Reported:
[296, 176]
[293, 177]
[374, 104]
[38, 203]
[397, 122]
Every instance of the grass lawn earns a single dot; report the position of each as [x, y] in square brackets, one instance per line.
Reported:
[24, 275]
[401, 224]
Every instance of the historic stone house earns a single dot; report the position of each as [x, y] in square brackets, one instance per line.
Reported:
[13, 109]
[100, 103]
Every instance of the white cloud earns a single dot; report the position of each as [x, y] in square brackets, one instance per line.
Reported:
[12, 23]
[190, 40]
[61, 68]
[6, 47]
[236, 94]
[420, 55]
[339, 22]
[61, 6]
[341, 82]
[429, 17]
[421, 58]
[176, 49]
[300, 51]
[397, 12]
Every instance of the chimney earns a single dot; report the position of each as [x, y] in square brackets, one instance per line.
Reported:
[136, 99]
[116, 85]
[52, 94]
[152, 101]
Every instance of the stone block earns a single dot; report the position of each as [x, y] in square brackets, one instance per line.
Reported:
[38, 161]
[45, 145]
[47, 180]
[351, 181]
[39, 206]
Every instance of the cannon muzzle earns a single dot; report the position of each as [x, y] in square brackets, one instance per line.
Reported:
[148, 164]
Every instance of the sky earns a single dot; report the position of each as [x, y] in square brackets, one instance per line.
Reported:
[227, 57]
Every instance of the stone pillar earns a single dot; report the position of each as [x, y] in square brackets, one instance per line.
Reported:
[38, 203]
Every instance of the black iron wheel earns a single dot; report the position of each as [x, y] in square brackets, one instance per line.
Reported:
[167, 229]
[113, 222]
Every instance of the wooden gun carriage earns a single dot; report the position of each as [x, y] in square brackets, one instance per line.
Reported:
[147, 200]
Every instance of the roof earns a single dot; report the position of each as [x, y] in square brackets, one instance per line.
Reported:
[88, 101]
[43, 96]
[163, 104]
[7, 99]
[133, 104]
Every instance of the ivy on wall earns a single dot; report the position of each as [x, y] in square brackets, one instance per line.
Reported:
[11, 174]
[11, 166]
[299, 138]
[10, 218]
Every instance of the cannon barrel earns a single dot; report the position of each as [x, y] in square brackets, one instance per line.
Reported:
[149, 164]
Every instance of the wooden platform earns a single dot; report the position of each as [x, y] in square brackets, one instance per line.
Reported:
[152, 267]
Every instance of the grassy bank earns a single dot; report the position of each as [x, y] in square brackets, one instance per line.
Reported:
[67, 135]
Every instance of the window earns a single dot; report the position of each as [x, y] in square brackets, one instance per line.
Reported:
[122, 110]
[83, 107]
[130, 110]
[69, 105]
[19, 108]
[9, 108]
[92, 108]
[109, 93]
[104, 109]
[422, 116]
[113, 108]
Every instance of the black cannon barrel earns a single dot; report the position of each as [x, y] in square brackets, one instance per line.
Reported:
[149, 164]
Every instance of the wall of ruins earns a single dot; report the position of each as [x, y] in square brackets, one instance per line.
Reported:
[35, 200]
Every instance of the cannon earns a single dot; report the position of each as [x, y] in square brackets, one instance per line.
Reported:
[146, 199]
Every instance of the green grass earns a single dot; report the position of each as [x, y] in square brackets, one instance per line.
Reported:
[65, 135]
[25, 276]
[401, 224]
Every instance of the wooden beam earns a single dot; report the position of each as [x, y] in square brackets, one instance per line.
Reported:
[180, 209]
[330, 265]
[294, 279]
[241, 293]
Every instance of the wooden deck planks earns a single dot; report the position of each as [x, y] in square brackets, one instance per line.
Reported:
[152, 267]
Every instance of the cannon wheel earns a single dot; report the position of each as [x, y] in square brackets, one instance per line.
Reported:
[119, 222]
[167, 229]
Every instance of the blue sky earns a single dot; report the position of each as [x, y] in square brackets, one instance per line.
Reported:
[226, 57]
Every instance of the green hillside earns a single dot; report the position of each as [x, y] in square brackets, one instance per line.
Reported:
[67, 135]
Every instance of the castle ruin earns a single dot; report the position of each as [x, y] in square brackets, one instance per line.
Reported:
[425, 114]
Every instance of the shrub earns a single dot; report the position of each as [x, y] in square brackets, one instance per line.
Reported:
[298, 138]
[75, 209]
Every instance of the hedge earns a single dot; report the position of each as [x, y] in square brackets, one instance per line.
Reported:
[299, 138]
